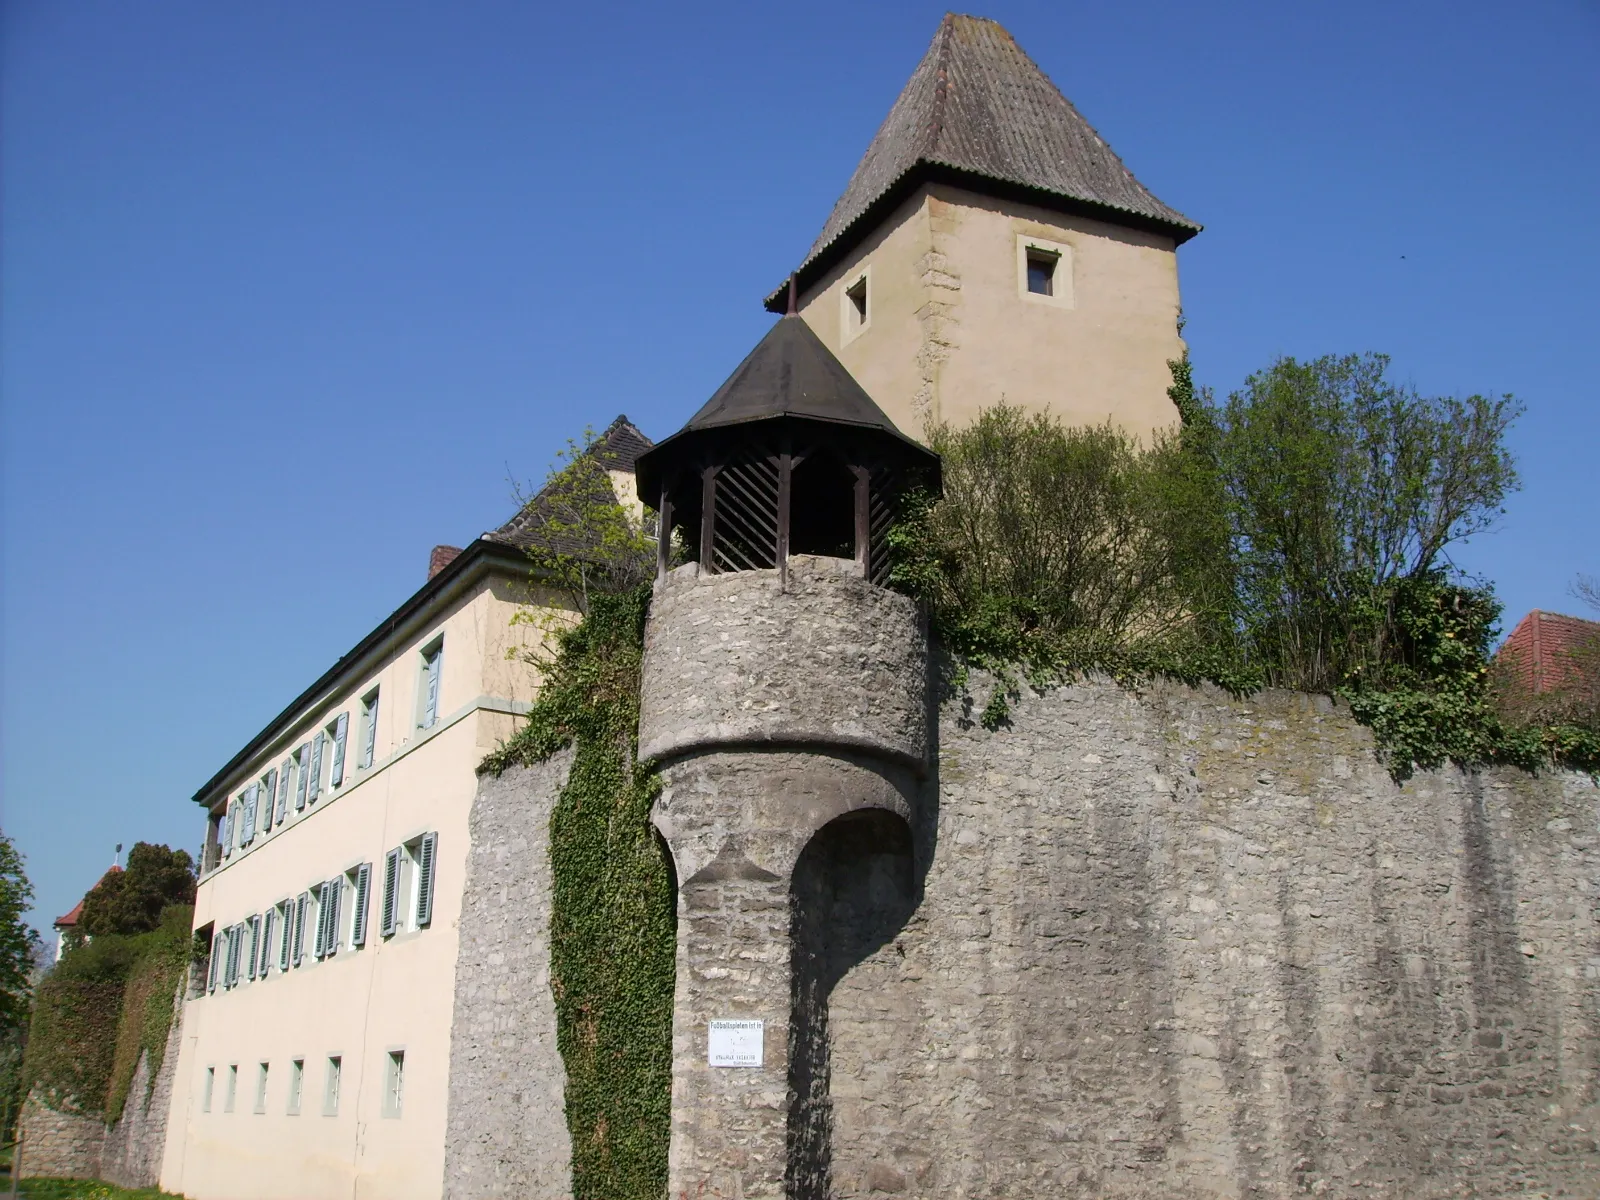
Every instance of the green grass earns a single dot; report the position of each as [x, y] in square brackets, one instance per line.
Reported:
[85, 1189]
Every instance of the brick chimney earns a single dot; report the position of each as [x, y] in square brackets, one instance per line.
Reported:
[441, 558]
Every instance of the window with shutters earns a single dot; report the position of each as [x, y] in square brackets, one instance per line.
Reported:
[211, 856]
[253, 943]
[297, 1083]
[428, 684]
[285, 948]
[268, 950]
[369, 730]
[232, 1088]
[207, 1087]
[394, 1082]
[302, 765]
[261, 1089]
[330, 1090]
[427, 856]
[227, 831]
[246, 805]
[358, 884]
[214, 966]
[269, 795]
[329, 902]
[334, 736]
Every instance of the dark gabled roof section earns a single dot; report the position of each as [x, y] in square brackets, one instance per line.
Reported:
[790, 373]
[617, 449]
[979, 113]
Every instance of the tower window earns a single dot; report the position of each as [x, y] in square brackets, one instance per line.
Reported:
[855, 306]
[1044, 271]
[1041, 272]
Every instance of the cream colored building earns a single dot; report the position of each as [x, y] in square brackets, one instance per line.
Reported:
[992, 247]
[313, 1062]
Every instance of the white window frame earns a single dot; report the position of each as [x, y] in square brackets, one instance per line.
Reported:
[297, 1086]
[1061, 279]
[331, 1085]
[852, 324]
[394, 1082]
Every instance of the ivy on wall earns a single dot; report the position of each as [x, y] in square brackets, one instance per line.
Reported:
[613, 938]
[104, 1002]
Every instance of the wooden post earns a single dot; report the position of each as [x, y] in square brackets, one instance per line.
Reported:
[863, 520]
[708, 508]
[785, 483]
[664, 533]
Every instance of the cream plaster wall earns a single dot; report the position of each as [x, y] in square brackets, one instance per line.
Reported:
[390, 994]
[952, 331]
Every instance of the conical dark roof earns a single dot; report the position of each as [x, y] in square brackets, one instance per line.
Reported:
[792, 374]
[980, 113]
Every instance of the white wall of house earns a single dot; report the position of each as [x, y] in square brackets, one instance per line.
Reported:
[361, 1004]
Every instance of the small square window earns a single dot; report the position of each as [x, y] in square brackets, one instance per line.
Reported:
[855, 306]
[330, 1092]
[297, 1083]
[394, 1080]
[1041, 272]
[261, 1089]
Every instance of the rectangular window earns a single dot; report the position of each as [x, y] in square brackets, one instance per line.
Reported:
[855, 306]
[219, 948]
[297, 1083]
[330, 1092]
[314, 771]
[233, 1088]
[428, 686]
[394, 1081]
[335, 736]
[328, 916]
[360, 903]
[227, 831]
[1041, 272]
[284, 771]
[369, 729]
[235, 945]
[302, 768]
[207, 1086]
[246, 804]
[285, 913]
[261, 1089]
[253, 926]
[269, 923]
[390, 914]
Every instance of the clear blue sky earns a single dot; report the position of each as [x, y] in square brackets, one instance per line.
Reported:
[294, 292]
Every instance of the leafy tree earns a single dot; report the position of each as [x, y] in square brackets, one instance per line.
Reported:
[1339, 485]
[19, 944]
[131, 901]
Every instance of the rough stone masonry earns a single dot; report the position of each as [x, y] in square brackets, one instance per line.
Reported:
[1154, 944]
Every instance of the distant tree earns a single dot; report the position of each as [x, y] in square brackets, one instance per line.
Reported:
[131, 901]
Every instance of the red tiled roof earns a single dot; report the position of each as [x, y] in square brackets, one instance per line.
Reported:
[71, 919]
[1540, 647]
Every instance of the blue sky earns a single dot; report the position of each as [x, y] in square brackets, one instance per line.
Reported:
[293, 292]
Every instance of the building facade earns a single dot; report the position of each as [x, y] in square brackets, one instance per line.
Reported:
[314, 1048]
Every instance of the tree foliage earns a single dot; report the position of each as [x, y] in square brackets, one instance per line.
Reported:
[1295, 535]
[131, 901]
[19, 944]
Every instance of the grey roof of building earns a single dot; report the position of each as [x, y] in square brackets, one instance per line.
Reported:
[618, 448]
[980, 113]
[790, 373]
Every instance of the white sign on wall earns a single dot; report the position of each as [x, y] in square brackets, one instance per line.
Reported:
[736, 1043]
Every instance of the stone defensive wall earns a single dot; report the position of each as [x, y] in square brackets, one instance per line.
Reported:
[1162, 943]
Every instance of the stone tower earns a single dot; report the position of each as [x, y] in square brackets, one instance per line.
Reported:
[785, 698]
[991, 246]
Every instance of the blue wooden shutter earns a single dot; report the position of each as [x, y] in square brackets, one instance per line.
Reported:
[340, 728]
[227, 831]
[286, 936]
[360, 904]
[253, 925]
[218, 949]
[247, 823]
[269, 795]
[302, 762]
[332, 893]
[268, 920]
[314, 783]
[427, 854]
[300, 904]
[283, 789]
[390, 912]
[369, 735]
